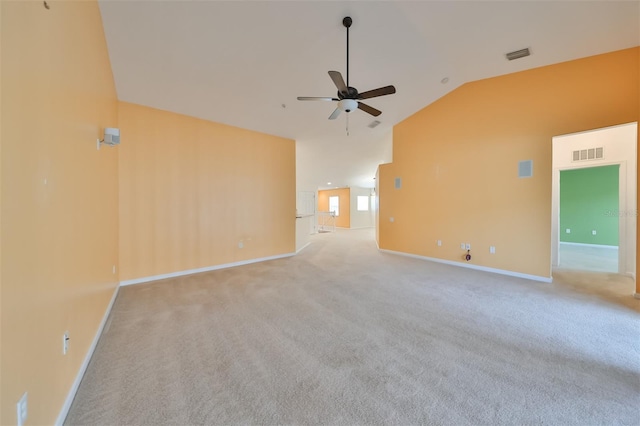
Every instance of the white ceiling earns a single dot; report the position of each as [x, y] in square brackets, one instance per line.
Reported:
[239, 62]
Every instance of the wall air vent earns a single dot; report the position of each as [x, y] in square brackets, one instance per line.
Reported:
[373, 124]
[588, 154]
[599, 153]
[525, 169]
[518, 54]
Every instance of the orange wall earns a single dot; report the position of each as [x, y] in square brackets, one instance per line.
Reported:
[377, 201]
[191, 190]
[458, 160]
[1, 303]
[344, 218]
[1, 102]
[59, 238]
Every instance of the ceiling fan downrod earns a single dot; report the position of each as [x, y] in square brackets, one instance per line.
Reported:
[347, 21]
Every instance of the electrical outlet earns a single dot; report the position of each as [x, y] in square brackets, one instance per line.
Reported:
[567, 231]
[468, 246]
[65, 343]
[240, 244]
[439, 243]
[593, 232]
[391, 219]
[492, 249]
[462, 245]
[22, 410]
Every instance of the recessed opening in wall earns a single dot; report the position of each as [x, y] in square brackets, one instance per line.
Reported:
[363, 203]
[334, 205]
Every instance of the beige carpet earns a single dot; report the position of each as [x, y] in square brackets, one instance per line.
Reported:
[345, 335]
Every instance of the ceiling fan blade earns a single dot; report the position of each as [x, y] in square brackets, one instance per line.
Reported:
[335, 114]
[338, 81]
[316, 98]
[387, 90]
[369, 109]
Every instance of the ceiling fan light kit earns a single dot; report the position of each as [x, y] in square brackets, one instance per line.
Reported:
[348, 97]
[347, 105]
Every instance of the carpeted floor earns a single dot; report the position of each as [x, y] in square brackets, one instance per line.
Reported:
[343, 335]
[588, 258]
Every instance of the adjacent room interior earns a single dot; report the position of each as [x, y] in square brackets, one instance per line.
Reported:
[238, 256]
[589, 202]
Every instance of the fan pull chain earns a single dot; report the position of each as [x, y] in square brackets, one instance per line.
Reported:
[347, 124]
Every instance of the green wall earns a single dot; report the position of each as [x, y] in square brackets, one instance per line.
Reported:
[589, 201]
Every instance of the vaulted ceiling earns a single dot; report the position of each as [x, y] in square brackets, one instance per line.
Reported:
[243, 63]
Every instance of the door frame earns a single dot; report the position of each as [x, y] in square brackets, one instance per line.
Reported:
[621, 153]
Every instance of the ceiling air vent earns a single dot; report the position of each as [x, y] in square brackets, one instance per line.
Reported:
[518, 54]
[373, 124]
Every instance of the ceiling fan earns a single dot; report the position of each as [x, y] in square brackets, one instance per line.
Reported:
[348, 97]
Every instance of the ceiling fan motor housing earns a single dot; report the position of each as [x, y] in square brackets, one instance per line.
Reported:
[351, 93]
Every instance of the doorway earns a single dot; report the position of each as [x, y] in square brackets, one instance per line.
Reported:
[611, 149]
[589, 221]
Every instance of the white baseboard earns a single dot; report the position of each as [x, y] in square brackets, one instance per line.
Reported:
[205, 269]
[472, 266]
[83, 368]
[303, 247]
[588, 245]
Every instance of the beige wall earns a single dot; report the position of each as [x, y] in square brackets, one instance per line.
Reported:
[58, 199]
[458, 160]
[343, 220]
[192, 190]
